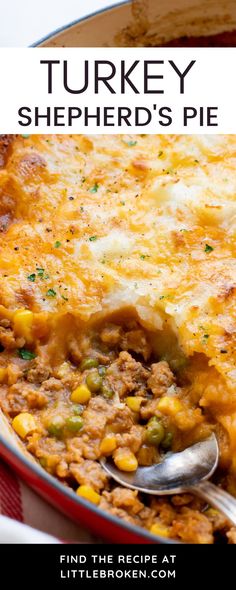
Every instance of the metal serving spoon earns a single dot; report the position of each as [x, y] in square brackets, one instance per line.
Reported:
[187, 471]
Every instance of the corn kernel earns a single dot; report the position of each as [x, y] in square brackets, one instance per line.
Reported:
[169, 405]
[80, 395]
[108, 444]
[211, 512]
[159, 529]
[22, 324]
[134, 403]
[23, 424]
[89, 494]
[3, 374]
[125, 460]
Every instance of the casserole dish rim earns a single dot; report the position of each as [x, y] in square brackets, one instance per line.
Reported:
[77, 21]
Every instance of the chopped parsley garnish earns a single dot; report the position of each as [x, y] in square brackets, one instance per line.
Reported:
[65, 298]
[131, 143]
[208, 248]
[40, 271]
[51, 293]
[94, 188]
[81, 208]
[122, 202]
[183, 230]
[206, 336]
[26, 355]
[25, 136]
[93, 238]
[162, 297]
[196, 161]
[143, 256]
[32, 277]
[160, 153]
[57, 244]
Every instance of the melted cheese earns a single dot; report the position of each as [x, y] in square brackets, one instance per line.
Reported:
[150, 225]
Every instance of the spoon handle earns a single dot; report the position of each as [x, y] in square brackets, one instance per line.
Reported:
[217, 498]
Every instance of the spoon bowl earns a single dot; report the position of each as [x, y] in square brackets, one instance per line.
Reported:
[175, 473]
[186, 471]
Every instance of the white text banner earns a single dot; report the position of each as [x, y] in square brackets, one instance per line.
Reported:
[118, 90]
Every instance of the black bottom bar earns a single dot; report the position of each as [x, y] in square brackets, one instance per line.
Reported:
[85, 566]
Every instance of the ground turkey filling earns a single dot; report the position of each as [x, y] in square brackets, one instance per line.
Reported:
[111, 398]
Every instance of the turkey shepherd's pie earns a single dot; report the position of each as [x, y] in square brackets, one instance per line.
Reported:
[117, 312]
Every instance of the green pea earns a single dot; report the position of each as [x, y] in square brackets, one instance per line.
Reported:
[88, 363]
[153, 420]
[78, 409]
[107, 391]
[178, 364]
[102, 371]
[74, 423]
[166, 443]
[55, 425]
[94, 381]
[155, 432]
